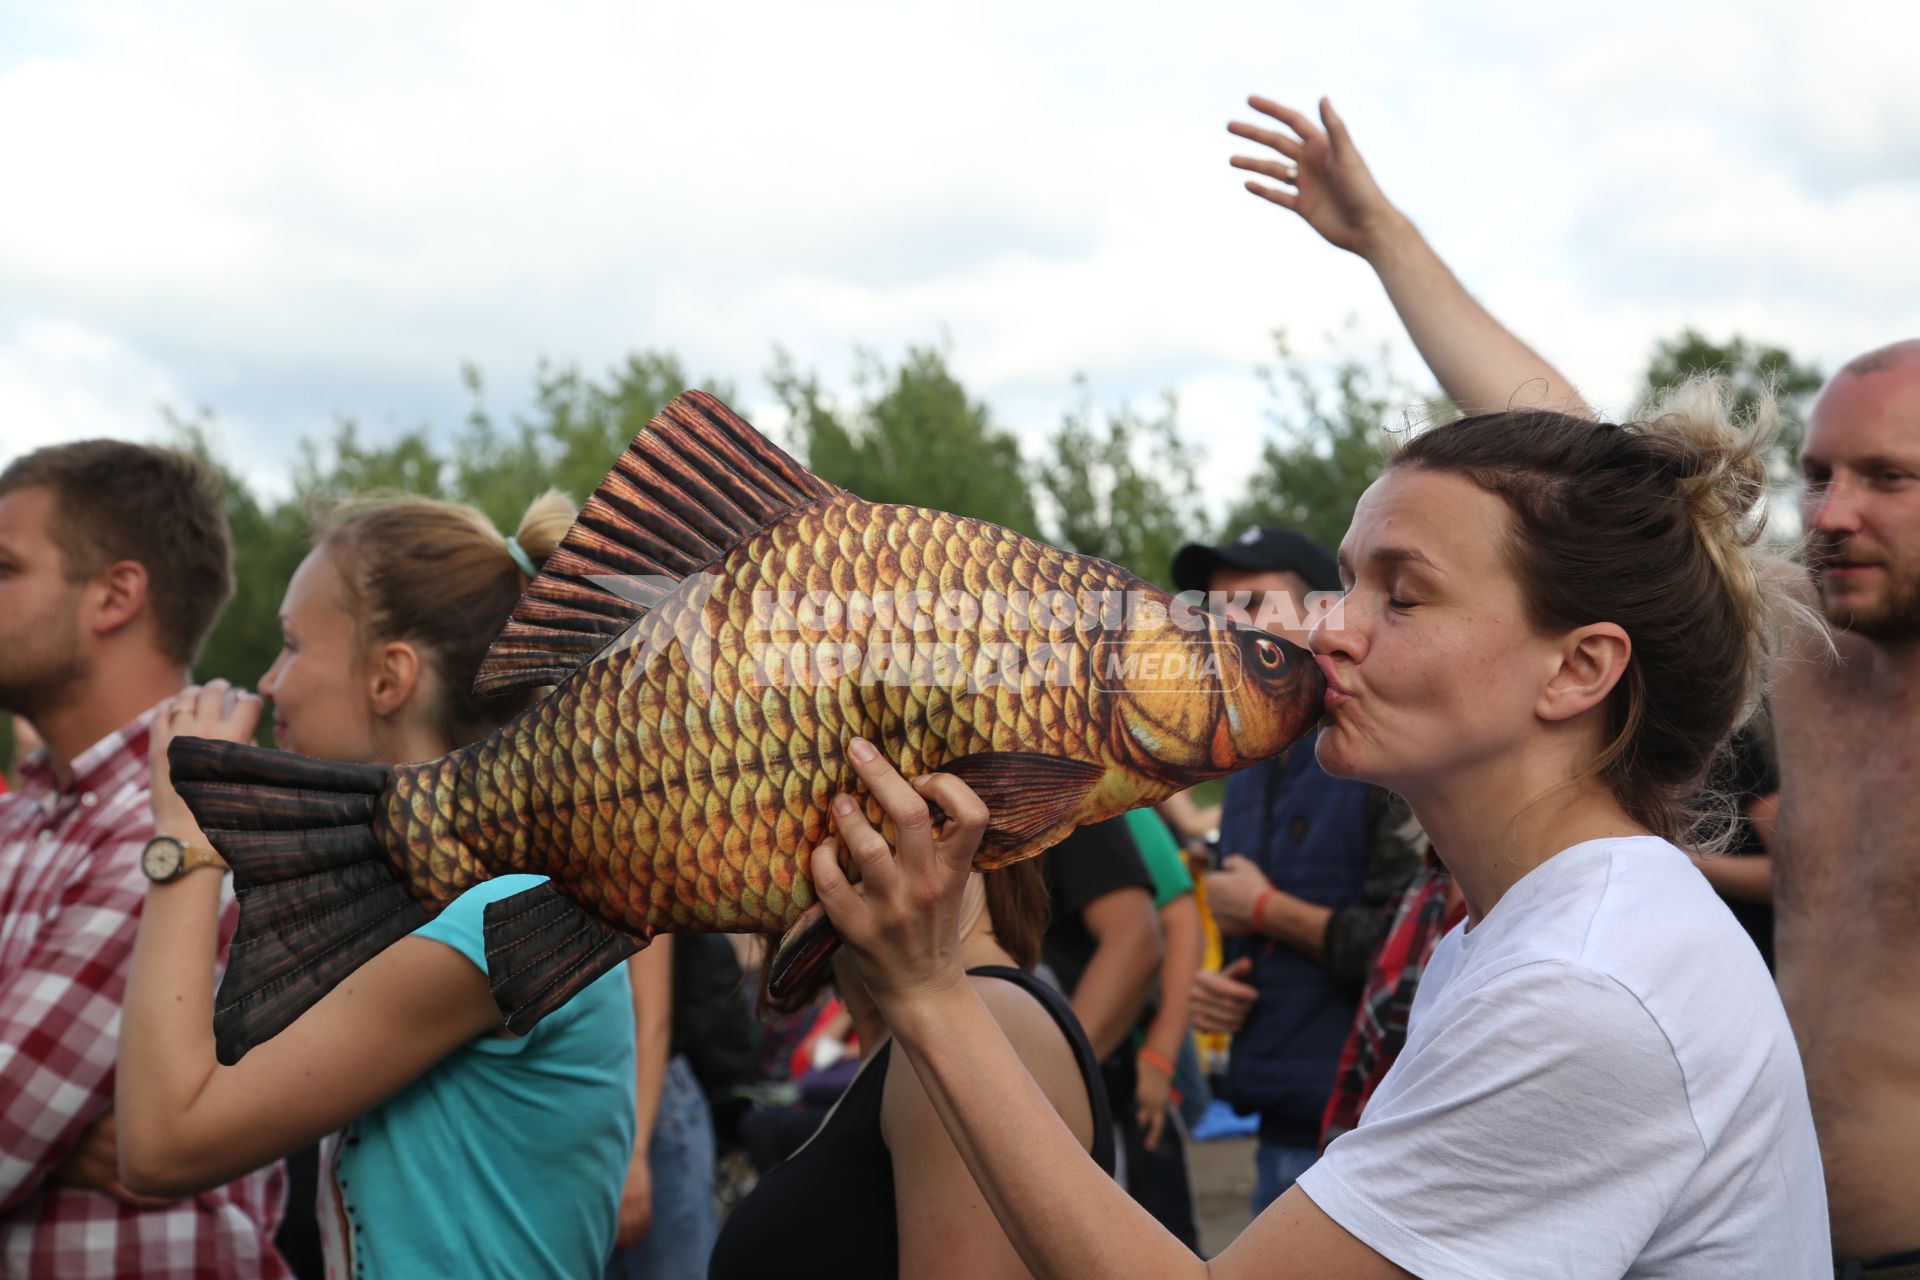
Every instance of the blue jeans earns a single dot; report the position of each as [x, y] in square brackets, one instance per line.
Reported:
[681, 1157]
[1274, 1170]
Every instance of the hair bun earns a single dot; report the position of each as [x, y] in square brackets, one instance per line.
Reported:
[547, 519]
[1718, 461]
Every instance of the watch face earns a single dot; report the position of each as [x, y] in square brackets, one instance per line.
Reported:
[162, 859]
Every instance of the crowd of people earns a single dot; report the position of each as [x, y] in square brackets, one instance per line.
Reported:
[1574, 942]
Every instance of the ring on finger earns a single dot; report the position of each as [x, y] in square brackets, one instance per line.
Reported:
[1291, 174]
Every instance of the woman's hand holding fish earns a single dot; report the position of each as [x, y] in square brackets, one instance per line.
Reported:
[902, 921]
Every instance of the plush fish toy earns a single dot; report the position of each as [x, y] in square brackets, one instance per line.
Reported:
[715, 627]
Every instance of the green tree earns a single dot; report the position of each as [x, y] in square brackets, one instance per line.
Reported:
[570, 437]
[269, 540]
[914, 437]
[1125, 490]
[1331, 440]
[342, 465]
[1753, 369]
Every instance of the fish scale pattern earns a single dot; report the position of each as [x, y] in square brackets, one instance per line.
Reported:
[680, 778]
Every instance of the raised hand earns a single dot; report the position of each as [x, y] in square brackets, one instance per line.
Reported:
[1319, 173]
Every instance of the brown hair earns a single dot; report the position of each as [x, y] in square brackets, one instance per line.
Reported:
[1654, 526]
[439, 576]
[1017, 905]
[162, 508]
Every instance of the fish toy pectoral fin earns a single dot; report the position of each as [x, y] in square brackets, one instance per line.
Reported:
[1027, 795]
[808, 943]
[543, 949]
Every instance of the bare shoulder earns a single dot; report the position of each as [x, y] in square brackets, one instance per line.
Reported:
[1026, 1022]
[1040, 1044]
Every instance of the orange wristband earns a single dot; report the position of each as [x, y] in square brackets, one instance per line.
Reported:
[1155, 1061]
[1259, 914]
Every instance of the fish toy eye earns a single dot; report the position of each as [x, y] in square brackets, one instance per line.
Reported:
[1268, 653]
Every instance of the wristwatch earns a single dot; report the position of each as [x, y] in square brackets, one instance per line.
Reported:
[166, 858]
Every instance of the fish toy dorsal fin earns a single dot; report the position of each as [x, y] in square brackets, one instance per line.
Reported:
[697, 482]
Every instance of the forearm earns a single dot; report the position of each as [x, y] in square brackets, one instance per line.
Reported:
[1747, 879]
[1188, 818]
[1298, 923]
[1480, 364]
[1065, 1217]
[166, 1046]
[651, 972]
[1113, 991]
[1186, 946]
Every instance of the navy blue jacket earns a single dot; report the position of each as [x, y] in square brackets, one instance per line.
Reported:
[1309, 832]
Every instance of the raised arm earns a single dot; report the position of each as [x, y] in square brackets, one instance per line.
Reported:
[1317, 172]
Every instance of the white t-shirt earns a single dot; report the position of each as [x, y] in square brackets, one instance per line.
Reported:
[1598, 1080]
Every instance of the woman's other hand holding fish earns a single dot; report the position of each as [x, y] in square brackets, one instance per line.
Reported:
[216, 710]
[902, 920]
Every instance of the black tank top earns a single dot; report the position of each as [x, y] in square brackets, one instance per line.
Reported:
[828, 1211]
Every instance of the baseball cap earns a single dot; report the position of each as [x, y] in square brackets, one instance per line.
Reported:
[1258, 546]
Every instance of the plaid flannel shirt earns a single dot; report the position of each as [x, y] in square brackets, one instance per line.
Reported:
[1417, 920]
[70, 896]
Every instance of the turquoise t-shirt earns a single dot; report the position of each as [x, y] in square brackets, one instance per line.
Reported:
[508, 1158]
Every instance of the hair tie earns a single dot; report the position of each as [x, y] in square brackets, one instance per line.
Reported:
[521, 558]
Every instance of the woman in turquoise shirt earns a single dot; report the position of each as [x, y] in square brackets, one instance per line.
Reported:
[458, 1149]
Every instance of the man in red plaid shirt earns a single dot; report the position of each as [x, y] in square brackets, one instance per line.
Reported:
[114, 563]
[1417, 919]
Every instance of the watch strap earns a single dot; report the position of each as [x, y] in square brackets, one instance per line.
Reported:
[200, 855]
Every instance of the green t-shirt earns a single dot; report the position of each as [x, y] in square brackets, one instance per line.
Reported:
[1161, 853]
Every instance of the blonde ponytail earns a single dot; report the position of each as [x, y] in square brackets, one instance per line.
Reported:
[440, 576]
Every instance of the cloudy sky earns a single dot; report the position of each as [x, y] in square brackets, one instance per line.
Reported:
[292, 212]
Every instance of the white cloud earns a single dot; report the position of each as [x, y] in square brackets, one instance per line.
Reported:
[290, 211]
[60, 382]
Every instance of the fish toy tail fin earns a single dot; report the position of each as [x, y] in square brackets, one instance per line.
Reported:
[319, 894]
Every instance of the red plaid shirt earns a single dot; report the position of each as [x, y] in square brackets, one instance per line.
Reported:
[70, 897]
[1417, 920]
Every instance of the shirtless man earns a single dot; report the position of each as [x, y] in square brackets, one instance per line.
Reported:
[1847, 884]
